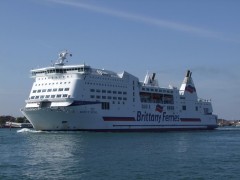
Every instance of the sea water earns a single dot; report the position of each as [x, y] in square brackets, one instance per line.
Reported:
[30, 154]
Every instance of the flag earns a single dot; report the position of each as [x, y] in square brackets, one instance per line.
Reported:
[159, 108]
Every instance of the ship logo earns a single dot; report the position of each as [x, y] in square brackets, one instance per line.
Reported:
[159, 108]
[190, 89]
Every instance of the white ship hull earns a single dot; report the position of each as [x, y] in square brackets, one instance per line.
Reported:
[72, 119]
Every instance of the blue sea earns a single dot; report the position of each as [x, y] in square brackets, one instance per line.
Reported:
[30, 154]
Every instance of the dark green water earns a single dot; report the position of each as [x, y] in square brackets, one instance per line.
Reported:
[86, 155]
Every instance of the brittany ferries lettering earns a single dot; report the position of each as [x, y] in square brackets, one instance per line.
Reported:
[79, 97]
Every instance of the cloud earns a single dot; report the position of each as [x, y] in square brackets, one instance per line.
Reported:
[148, 20]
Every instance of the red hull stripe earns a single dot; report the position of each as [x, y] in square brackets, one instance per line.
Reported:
[190, 120]
[118, 118]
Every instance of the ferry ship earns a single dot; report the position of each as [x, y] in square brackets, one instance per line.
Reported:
[79, 97]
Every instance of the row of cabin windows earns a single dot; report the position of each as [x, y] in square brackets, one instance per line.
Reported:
[108, 97]
[157, 90]
[116, 79]
[50, 96]
[147, 97]
[55, 77]
[108, 91]
[106, 105]
[50, 90]
[206, 110]
[51, 83]
[109, 85]
[184, 108]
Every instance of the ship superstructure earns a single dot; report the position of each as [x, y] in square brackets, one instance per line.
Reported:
[79, 97]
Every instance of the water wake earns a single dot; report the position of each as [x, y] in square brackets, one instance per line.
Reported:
[228, 128]
[26, 130]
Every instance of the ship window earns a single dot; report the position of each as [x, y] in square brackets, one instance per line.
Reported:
[184, 108]
[66, 89]
[124, 98]
[39, 91]
[98, 97]
[109, 97]
[109, 91]
[49, 90]
[92, 96]
[115, 98]
[98, 90]
[124, 93]
[44, 90]
[65, 95]
[32, 97]
[196, 108]
[52, 96]
[170, 107]
[105, 105]
[47, 96]
[119, 98]
[119, 92]
[37, 97]
[59, 95]
[206, 111]
[34, 91]
[168, 99]
[92, 90]
[41, 97]
[114, 92]
[103, 91]
[60, 89]
[103, 97]
[55, 89]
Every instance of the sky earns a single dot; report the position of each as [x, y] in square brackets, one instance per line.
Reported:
[138, 36]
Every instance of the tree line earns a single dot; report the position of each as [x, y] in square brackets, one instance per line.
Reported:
[4, 119]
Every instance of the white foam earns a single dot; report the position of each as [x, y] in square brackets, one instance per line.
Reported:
[26, 130]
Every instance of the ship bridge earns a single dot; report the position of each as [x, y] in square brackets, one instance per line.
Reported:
[82, 69]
